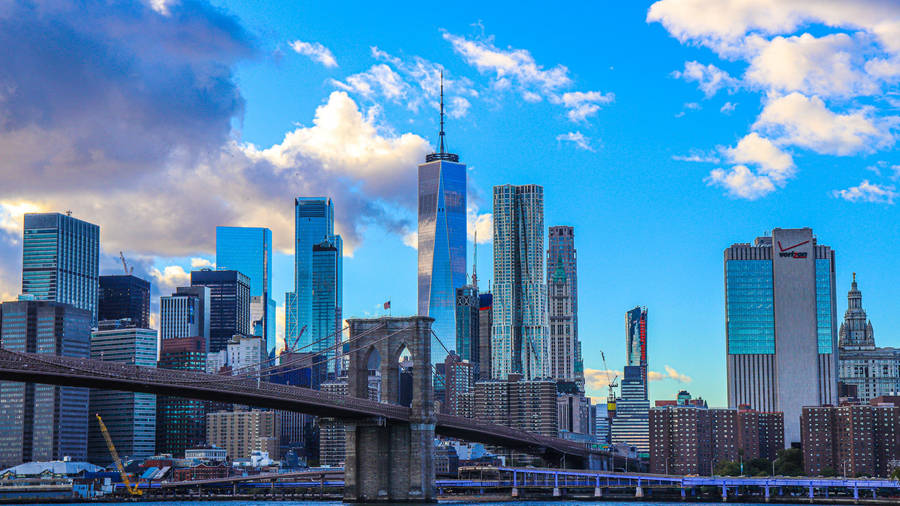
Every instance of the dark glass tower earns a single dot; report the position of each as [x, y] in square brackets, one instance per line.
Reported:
[442, 241]
[43, 422]
[125, 296]
[229, 305]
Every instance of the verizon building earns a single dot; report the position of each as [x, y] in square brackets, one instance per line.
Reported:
[781, 325]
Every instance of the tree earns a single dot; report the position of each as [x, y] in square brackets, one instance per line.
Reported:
[758, 467]
[828, 471]
[789, 462]
[728, 468]
[896, 474]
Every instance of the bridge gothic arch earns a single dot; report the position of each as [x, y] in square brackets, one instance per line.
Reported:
[389, 461]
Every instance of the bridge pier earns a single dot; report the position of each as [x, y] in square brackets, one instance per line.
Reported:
[639, 492]
[766, 489]
[391, 461]
[724, 493]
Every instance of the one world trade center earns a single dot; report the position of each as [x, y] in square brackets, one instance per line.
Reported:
[442, 242]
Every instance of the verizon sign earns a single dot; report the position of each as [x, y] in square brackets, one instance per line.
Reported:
[791, 251]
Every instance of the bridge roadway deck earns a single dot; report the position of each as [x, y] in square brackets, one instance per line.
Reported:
[68, 371]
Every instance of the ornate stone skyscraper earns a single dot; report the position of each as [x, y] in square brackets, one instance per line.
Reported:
[862, 367]
[856, 331]
[442, 241]
[565, 347]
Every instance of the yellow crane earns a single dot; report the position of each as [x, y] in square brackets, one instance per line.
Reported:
[132, 489]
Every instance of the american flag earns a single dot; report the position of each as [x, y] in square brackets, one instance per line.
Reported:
[387, 305]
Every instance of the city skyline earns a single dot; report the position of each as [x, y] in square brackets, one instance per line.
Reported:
[638, 143]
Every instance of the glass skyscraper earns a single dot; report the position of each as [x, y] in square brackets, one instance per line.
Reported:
[130, 417]
[43, 422]
[467, 325]
[781, 325]
[632, 422]
[520, 332]
[327, 299]
[60, 260]
[180, 422]
[249, 251]
[636, 341]
[314, 223]
[229, 305]
[125, 296]
[442, 244]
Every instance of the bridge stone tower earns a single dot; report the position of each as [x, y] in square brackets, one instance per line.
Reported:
[390, 461]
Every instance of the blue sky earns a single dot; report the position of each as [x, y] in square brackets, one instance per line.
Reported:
[663, 132]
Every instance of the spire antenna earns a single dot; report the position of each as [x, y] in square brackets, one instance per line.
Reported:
[442, 154]
[442, 111]
[475, 262]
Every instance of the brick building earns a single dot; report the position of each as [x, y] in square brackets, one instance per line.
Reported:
[852, 440]
[690, 439]
[243, 432]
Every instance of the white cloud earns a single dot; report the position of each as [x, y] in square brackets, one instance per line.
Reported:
[675, 375]
[831, 65]
[583, 104]
[709, 78]
[170, 278]
[424, 82]
[697, 156]
[774, 168]
[202, 263]
[12, 216]
[805, 121]
[378, 80]
[411, 239]
[728, 108]
[868, 192]
[316, 51]
[482, 223]
[516, 65]
[741, 182]
[754, 149]
[577, 138]
[809, 85]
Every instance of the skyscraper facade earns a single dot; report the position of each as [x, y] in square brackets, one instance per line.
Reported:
[313, 223]
[872, 371]
[561, 314]
[327, 300]
[248, 250]
[467, 324]
[185, 313]
[43, 422]
[563, 311]
[442, 242]
[130, 417]
[520, 332]
[124, 296]
[229, 305]
[485, 324]
[781, 325]
[636, 341]
[61, 259]
[631, 424]
[180, 422]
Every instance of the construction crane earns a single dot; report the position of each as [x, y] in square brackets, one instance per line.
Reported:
[125, 265]
[611, 397]
[132, 489]
[292, 347]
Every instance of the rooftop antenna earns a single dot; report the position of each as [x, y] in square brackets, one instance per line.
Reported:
[442, 111]
[442, 154]
[475, 263]
[69, 211]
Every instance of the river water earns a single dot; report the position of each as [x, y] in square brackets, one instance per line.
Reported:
[338, 503]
